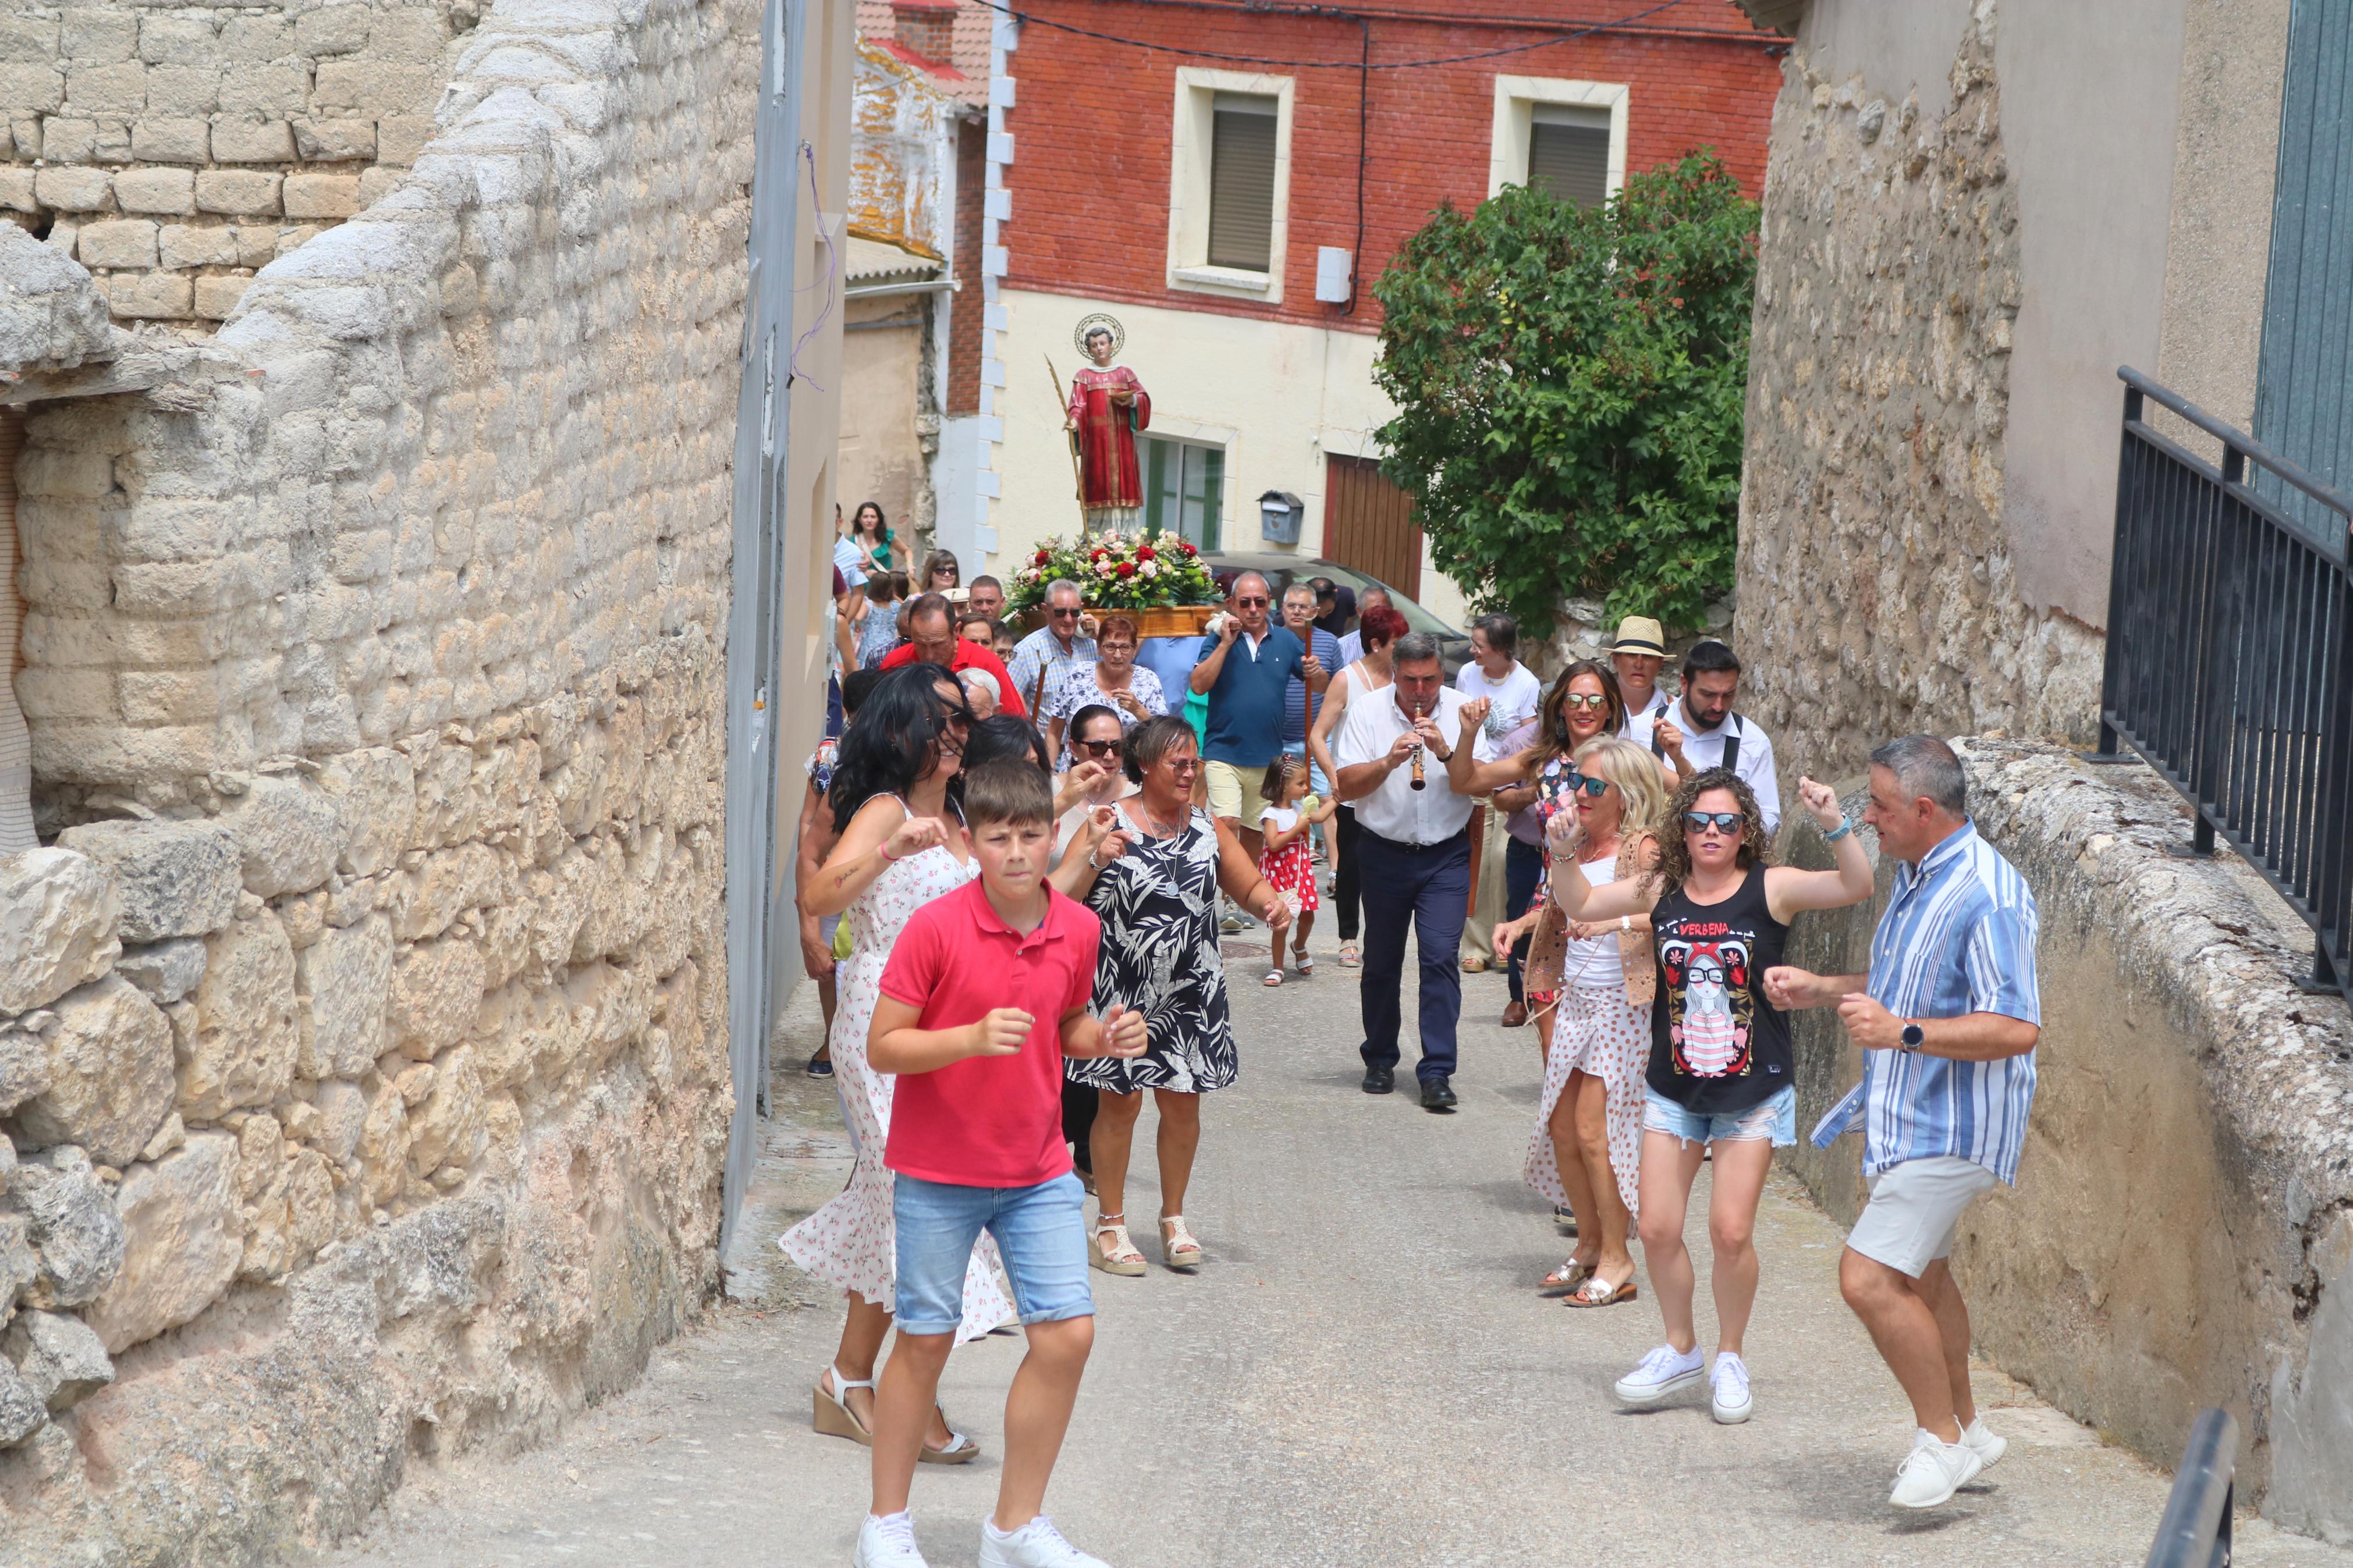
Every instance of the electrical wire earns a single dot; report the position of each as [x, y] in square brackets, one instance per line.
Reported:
[792, 371]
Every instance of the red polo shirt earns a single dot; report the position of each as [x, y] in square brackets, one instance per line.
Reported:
[969, 655]
[988, 1121]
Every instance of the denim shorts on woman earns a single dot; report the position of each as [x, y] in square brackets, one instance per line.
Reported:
[1041, 1230]
[1775, 1118]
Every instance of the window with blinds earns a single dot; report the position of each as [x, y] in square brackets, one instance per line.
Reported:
[1184, 487]
[1241, 181]
[1568, 152]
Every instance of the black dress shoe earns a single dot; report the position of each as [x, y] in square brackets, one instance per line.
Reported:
[1379, 1081]
[1437, 1094]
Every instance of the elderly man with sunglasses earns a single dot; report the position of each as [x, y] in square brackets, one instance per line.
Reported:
[1066, 642]
[1245, 670]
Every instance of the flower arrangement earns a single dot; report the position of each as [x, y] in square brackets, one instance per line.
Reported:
[1118, 571]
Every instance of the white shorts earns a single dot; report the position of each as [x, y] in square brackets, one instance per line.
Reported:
[1915, 1208]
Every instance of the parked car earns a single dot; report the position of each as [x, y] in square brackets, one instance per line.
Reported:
[1282, 571]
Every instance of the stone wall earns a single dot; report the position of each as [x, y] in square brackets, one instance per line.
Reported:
[363, 1078]
[2181, 1235]
[174, 149]
[1875, 575]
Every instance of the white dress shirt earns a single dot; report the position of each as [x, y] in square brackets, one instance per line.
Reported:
[1640, 722]
[1704, 749]
[1397, 811]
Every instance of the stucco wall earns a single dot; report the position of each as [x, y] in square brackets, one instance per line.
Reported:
[883, 456]
[369, 1100]
[2181, 1235]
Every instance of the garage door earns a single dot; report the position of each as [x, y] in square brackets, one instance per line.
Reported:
[1368, 524]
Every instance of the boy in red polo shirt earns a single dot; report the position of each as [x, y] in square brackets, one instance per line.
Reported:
[986, 993]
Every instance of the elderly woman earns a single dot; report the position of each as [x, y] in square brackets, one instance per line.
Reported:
[1159, 904]
[1115, 681]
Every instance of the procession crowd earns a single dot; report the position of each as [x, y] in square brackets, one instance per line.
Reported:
[1017, 856]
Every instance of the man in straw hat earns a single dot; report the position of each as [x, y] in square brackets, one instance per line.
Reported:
[1638, 655]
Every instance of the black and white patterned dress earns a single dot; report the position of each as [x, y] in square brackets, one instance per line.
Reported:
[1159, 904]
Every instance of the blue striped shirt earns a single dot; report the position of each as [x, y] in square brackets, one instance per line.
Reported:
[1957, 938]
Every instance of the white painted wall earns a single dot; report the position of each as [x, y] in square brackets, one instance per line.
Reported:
[1277, 396]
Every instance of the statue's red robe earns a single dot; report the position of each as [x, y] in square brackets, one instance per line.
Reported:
[1107, 436]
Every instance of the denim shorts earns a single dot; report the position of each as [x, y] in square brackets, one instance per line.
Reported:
[1775, 1118]
[1041, 1231]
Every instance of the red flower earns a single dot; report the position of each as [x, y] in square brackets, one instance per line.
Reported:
[1187, 546]
[1099, 556]
[1044, 556]
[1127, 568]
[1145, 553]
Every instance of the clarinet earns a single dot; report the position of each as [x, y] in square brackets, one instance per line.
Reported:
[1416, 781]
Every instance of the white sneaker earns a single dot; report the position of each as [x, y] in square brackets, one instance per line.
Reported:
[888, 1543]
[1933, 1471]
[1662, 1371]
[1037, 1545]
[1729, 1384]
[1983, 1442]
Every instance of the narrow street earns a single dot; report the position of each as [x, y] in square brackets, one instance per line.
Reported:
[1363, 1377]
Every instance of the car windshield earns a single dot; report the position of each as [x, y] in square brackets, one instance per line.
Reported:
[1279, 574]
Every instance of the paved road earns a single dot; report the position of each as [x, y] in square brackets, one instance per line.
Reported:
[1361, 1378]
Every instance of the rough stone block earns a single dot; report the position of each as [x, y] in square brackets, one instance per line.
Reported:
[111, 1079]
[75, 189]
[38, 89]
[60, 1357]
[94, 37]
[275, 90]
[150, 297]
[250, 38]
[24, 1059]
[166, 191]
[370, 90]
[342, 1110]
[114, 144]
[125, 243]
[192, 245]
[332, 30]
[22, 1411]
[117, 88]
[399, 138]
[334, 140]
[160, 141]
[257, 245]
[181, 1246]
[18, 1266]
[17, 190]
[179, 38]
[57, 916]
[216, 296]
[376, 791]
[251, 139]
[175, 879]
[67, 141]
[237, 192]
[183, 89]
[289, 831]
[436, 994]
[343, 980]
[321, 196]
[74, 1228]
[26, 40]
[239, 1042]
[167, 971]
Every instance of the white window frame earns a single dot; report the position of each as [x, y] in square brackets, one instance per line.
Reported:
[1188, 186]
[1516, 96]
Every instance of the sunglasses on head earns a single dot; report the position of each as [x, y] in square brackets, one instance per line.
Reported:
[1591, 783]
[1583, 700]
[1722, 821]
[1098, 748]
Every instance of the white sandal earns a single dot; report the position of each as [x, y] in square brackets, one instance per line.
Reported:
[1274, 976]
[1120, 1257]
[1303, 963]
[1178, 1250]
[832, 1417]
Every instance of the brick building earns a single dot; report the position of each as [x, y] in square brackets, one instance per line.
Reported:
[1228, 184]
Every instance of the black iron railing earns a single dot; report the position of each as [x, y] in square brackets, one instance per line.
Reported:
[2229, 659]
[2196, 1530]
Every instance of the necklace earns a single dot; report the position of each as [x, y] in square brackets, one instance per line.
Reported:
[1155, 829]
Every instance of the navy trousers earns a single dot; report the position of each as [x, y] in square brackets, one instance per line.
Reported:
[1523, 869]
[1429, 889]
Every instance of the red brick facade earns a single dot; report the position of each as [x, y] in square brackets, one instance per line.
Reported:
[1090, 176]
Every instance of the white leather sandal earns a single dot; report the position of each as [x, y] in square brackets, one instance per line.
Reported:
[1178, 1250]
[1111, 1250]
[833, 1417]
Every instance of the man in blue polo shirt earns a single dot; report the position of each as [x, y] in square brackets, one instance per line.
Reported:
[1245, 671]
[1947, 1020]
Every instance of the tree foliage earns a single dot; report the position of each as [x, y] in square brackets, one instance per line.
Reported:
[1569, 384]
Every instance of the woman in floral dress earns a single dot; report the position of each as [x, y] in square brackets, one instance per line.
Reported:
[903, 848]
[1159, 904]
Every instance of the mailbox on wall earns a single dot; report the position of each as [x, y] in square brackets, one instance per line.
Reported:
[1279, 516]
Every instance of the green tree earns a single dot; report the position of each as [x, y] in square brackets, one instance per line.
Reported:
[1569, 384]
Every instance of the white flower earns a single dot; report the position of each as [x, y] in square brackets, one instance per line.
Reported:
[1105, 567]
[1149, 569]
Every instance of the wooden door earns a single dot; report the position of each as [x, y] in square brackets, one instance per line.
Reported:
[1368, 524]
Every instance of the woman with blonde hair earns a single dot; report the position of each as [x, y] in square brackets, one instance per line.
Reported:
[1590, 986]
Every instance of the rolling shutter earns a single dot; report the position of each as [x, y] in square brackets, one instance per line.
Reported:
[1241, 181]
[1568, 152]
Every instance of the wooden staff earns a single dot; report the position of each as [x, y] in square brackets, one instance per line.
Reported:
[1078, 475]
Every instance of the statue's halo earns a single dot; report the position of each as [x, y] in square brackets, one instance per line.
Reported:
[1100, 318]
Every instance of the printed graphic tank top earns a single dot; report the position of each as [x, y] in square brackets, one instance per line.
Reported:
[1718, 1046]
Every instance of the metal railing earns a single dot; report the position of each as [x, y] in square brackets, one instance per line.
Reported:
[2229, 659]
[2196, 1530]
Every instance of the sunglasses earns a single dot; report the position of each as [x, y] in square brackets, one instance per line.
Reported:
[1184, 764]
[1098, 748]
[1591, 783]
[1583, 700]
[1064, 614]
[1253, 604]
[1730, 821]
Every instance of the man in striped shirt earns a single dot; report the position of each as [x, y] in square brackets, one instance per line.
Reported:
[1947, 1019]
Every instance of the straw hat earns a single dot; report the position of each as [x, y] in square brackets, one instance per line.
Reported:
[1640, 634]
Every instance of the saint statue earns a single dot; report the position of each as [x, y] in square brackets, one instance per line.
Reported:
[1108, 405]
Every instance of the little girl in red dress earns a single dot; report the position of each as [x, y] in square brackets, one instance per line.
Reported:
[1287, 861]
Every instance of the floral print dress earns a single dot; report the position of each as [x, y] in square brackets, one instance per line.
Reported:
[853, 1241]
[1159, 904]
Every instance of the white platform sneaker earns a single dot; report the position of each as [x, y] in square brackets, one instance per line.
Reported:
[1662, 1371]
[1037, 1545]
[1933, 1471]
[1728, 1389]
[888, 1543]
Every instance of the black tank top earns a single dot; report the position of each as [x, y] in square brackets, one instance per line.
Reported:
[1717, 1046]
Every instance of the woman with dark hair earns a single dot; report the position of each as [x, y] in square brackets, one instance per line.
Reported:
[1378, 629]
[1159, 904]
[941, 573]
[1721, 1076]
[872, 535]
[901, 846]
[1096, 738]
[878, 629]
[1113, 680]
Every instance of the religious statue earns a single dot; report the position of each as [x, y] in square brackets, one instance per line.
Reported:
[1107, 406]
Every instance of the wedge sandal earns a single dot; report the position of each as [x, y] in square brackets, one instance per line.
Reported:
[833, 1417]
[1111, 1250]
[1178, 1250]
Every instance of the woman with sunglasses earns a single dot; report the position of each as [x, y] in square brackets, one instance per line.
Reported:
[1159, 904]
[1721, 1075]
[1594, 983]
[1113, 680]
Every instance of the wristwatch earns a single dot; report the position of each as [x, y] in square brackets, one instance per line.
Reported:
[1913, 1037]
